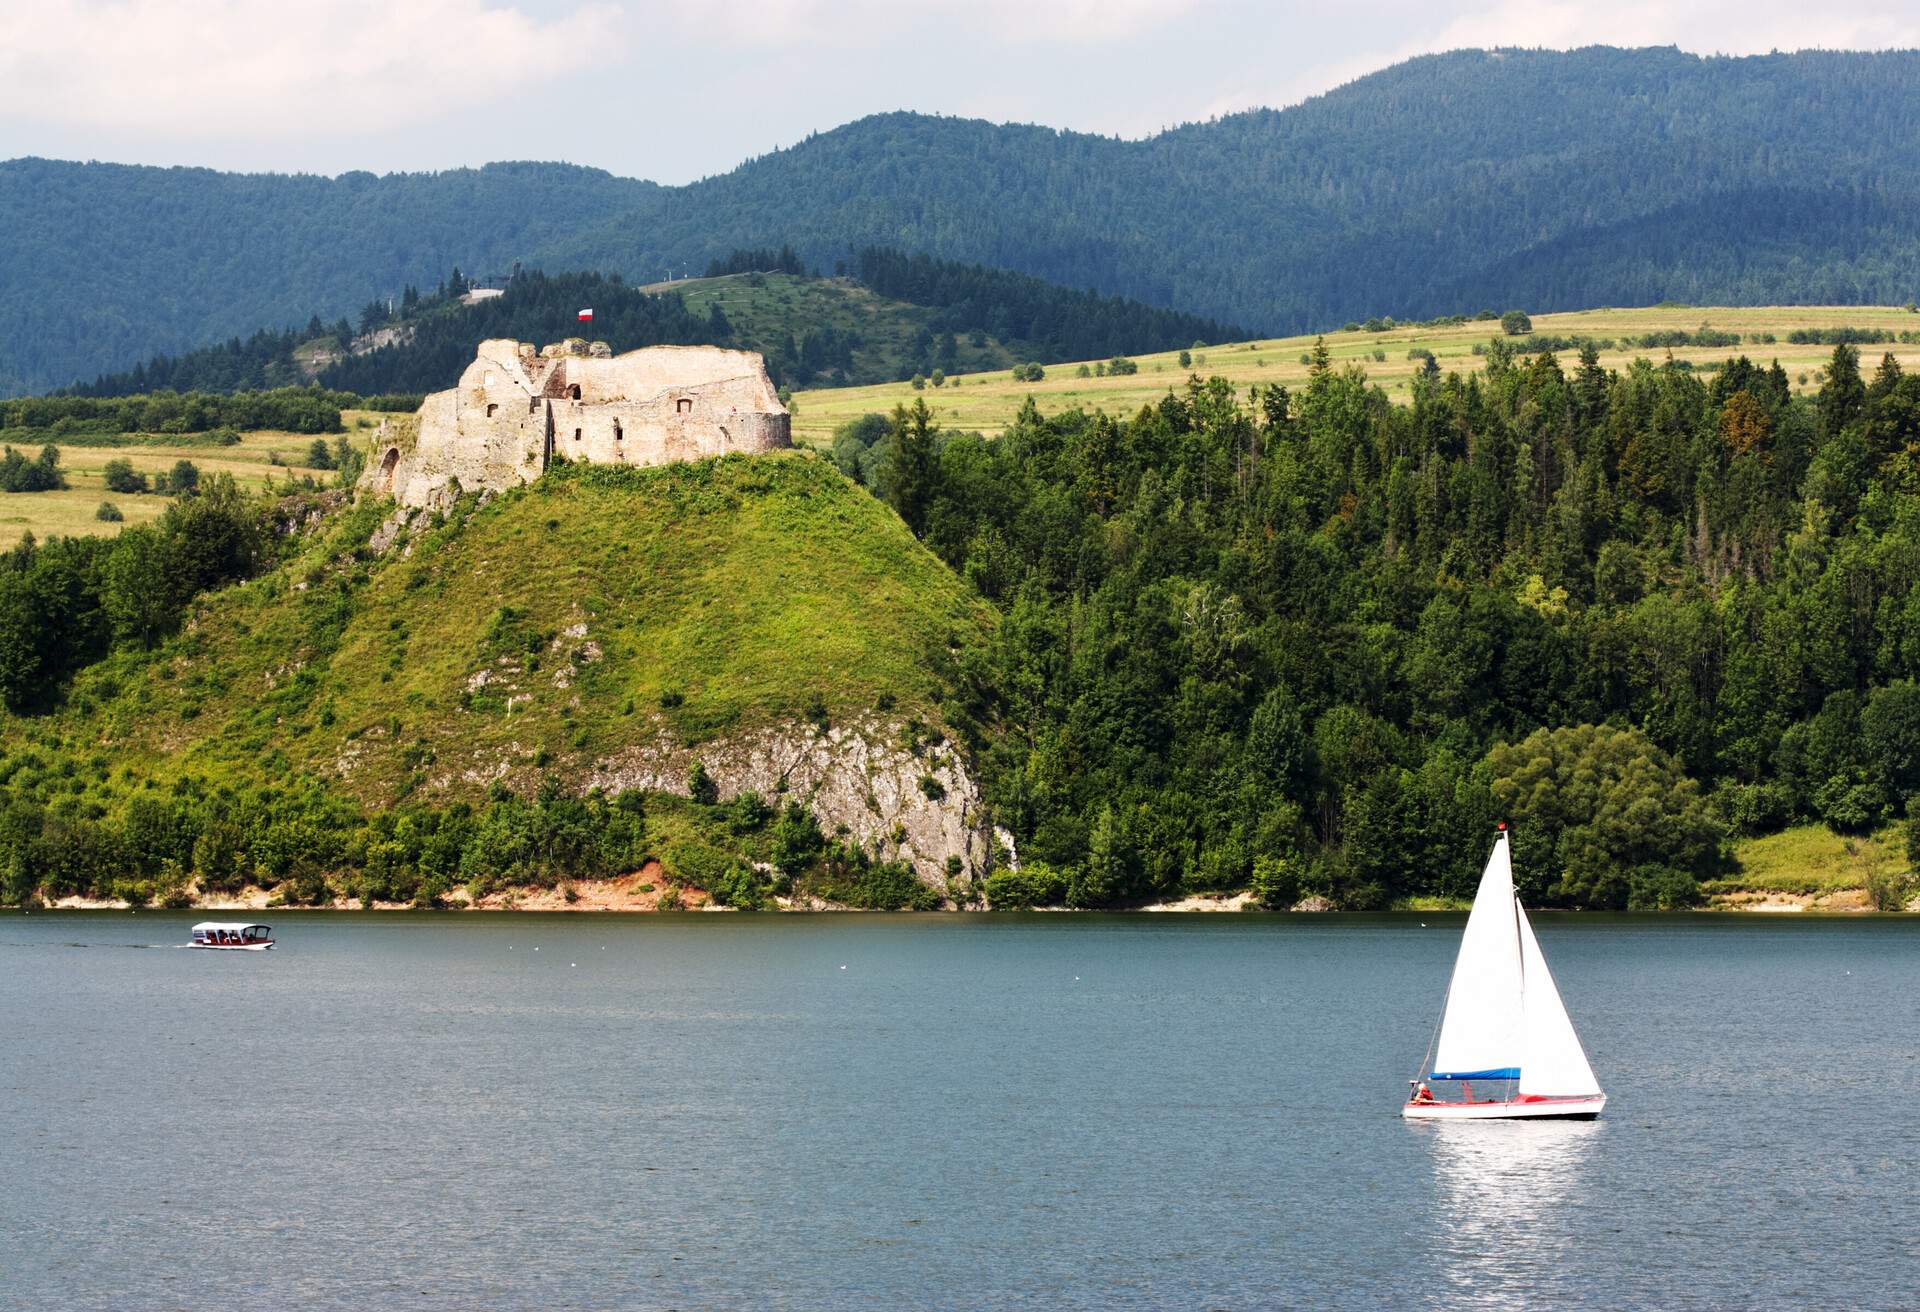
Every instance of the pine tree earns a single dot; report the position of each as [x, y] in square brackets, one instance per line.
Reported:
[912, 468]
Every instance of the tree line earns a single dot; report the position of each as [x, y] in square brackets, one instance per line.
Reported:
[1316, 643]
[74, 418]
[66, 603]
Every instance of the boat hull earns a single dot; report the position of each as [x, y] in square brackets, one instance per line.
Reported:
[1530, 1108]
[232, 947]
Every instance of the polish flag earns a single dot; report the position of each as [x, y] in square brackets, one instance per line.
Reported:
[585, 315]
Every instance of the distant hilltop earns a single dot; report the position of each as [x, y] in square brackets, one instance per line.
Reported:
[517, 409]
[1622, 177]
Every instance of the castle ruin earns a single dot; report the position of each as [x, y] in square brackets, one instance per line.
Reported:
[516, 410]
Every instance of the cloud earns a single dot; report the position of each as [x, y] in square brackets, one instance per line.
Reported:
[1715, 27]
[241, 69]
[864, 23]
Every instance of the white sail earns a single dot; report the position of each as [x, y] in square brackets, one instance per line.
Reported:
[1552, 1062]
[1482, 1035]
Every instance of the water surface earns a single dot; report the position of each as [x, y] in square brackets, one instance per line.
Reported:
[523, 1111]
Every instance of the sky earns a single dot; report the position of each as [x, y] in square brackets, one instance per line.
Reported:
[677, 91]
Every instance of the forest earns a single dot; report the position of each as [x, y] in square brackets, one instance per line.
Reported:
[1434, 187]
[1316, 644]
[1031, 317]
[1310, 644]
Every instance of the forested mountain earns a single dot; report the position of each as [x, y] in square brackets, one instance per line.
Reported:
[107, 264]
[1449, 183]
[914, 324]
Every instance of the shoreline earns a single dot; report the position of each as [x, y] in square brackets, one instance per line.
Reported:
[696, 902]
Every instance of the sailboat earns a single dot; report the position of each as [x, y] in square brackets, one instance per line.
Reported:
[1504, 1022]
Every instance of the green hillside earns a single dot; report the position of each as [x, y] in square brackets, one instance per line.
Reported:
[606, 606]
[863, 337]
[392, 718]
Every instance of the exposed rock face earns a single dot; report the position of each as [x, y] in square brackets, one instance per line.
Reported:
[517, 409]
[859, 776]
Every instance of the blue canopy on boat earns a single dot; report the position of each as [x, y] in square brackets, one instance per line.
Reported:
[1498, 1073]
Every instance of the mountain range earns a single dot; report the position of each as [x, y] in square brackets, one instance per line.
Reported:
[1449, 183]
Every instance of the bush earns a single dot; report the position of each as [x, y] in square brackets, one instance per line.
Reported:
[1850, 803]
[700, 786]
[1758, 808]
[1122, 366]
[1030, 372]
[1661, 888]
[1593, 804]
[1032, 885]
[1515, 323]
[1186, 359]
[20, 474]
[120, 476]
[851, 878]
[108, 513]
[748, 813]
[1888, 891]
[1276, 881]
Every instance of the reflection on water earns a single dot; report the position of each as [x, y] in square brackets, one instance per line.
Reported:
[1508, 1194]
[865, 1113]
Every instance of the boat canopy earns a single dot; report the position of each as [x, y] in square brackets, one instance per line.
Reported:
[231, 926]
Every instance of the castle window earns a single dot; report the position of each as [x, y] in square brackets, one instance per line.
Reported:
[576, 435]
[533, 405]
[684, 405]
[574, 391]
[491, 408]
[617, 434]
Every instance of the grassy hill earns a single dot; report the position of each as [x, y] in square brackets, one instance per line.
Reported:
[987, 402]
[770, 312]
[1443, 184]
[549, 629]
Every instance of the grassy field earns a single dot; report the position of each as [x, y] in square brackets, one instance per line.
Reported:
[987, 402]
[593, 611]
[1813, 859]
[762, 307]
[258, 459]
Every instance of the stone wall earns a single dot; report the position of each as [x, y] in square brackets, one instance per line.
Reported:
[515, 409]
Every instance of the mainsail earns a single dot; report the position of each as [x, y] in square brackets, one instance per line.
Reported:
[1481, 1035]
[1504, 1018]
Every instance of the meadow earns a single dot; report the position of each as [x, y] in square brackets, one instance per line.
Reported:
[259, 460]
[987, 402]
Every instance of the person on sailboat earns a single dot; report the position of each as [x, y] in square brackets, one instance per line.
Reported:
[1421, 1092]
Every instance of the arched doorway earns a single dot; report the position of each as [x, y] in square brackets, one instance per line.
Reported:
[387, 464]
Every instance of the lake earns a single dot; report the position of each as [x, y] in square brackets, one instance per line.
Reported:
[947, 1111]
